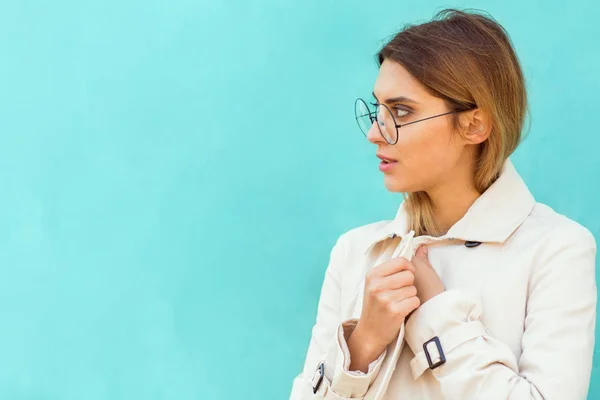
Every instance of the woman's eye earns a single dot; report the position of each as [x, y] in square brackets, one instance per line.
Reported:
[400, 112]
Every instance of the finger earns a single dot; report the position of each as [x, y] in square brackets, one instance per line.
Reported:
[399, 280]
[421, 257]
[406, 306]
[422, 252]
[398, 295]
[394, 265]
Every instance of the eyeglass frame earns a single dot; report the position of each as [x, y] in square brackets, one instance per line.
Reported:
[373, 119]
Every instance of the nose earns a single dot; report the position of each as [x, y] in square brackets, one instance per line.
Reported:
[374, 135]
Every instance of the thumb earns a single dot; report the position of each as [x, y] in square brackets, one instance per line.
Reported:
[422, 253]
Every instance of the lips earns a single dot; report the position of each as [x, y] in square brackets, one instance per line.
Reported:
[385, 159]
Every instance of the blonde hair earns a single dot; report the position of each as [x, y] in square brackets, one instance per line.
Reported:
[467, 59]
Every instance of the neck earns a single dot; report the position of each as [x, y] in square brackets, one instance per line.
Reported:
[452, 199]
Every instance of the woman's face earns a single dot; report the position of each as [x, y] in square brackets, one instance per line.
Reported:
[427, 153]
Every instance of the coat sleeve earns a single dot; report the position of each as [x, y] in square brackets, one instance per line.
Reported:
[557, 344]
[328, 344]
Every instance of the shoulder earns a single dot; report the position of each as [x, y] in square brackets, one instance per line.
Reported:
[548, 222]
[553, 233]
[352, 243]
[362, 235]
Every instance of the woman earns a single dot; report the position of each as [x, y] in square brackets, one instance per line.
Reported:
[473, 290]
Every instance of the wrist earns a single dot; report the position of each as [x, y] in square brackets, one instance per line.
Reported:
[432, 292]
[365, 342]
[429, 286]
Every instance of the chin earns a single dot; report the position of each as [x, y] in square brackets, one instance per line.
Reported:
[395, 184]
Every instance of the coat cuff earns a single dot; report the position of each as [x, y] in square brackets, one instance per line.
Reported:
[346, 383]
[453, 317]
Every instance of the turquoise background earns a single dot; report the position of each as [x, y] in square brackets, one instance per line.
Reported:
[174, 173]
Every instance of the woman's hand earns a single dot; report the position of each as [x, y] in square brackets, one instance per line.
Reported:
[427, 281]
[389, 297]
[393, 290]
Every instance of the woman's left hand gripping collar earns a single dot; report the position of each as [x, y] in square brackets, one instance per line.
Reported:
[427, 281]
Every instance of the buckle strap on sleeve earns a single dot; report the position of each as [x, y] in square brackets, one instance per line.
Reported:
[321, 387]
[448, 342]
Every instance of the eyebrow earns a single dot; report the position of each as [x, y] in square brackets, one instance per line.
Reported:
[399, 99]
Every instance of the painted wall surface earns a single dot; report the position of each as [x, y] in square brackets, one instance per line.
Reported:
[174, 173]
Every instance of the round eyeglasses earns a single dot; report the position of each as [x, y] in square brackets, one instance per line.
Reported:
[386, 123]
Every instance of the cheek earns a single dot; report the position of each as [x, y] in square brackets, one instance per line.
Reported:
[424, 155]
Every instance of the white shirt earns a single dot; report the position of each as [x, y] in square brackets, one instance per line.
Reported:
[516, 320]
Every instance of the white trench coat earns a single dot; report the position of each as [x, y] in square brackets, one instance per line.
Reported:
[516, 320]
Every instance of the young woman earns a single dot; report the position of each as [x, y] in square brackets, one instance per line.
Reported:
[473, 290]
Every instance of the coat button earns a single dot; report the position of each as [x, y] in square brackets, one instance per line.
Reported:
[472, 244]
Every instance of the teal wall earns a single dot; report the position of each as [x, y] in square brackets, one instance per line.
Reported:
[174, 173]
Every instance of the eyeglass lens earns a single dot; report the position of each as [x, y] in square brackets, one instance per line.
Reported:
[382, 116]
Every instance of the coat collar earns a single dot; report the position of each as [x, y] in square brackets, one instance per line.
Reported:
[493, 217]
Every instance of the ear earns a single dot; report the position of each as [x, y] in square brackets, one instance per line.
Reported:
[477, 126]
